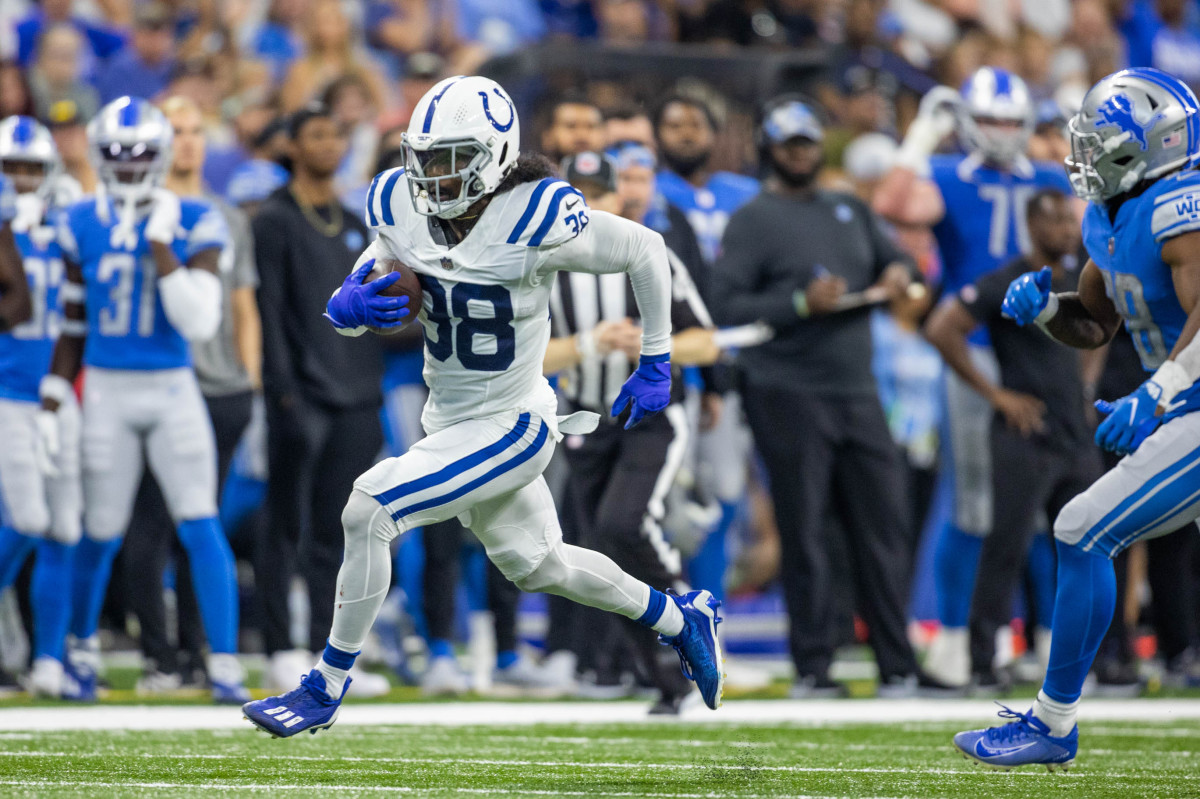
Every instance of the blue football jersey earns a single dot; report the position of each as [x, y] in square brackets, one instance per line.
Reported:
[709, 207]
[1129, 254]
[984, 226]
[127, 327]
[26, 349]
[8, 200]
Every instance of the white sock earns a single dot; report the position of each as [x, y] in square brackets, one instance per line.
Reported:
[1058, 716]
[670, 623]
[335, 678]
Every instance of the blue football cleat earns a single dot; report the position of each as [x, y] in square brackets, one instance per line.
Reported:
[1024, 741]
[229, 693]
[308, 707]
[697, 644]
[80, 681]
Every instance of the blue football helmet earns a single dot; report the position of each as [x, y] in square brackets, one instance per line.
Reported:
[996, 116]
[25, 141]
[130, 145]
[1134, 125]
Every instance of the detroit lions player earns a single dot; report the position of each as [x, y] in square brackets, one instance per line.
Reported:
[1133, 144]
[40, 511]
[142, 283]
[975, 203]
[486, 229]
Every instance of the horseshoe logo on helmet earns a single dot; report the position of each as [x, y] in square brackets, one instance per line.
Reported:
[512, 112]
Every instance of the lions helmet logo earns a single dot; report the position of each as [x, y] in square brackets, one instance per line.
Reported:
[1118, 110]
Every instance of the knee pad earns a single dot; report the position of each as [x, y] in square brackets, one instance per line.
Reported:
[29, 517]
[550, 572]
[363, 518]
[1074, 520]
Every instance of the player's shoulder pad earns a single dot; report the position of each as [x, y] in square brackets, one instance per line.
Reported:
[1176, 206]
[384, 197]
[205, 224]
[551, 212]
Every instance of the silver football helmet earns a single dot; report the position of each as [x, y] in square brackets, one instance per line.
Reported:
[995, 117]
[130, 144]
[29, 156]
[1134, 125]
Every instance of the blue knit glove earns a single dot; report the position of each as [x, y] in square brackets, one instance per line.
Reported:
[358, 304]
[1130, 420]
[647, 391]
[1027, 296]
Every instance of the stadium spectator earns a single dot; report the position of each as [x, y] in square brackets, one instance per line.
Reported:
[573, 124]
[811, 400]
[15, 94]
[628, 124]
[69, 128]
[499, 28]
[102, 40]
[56, 77]
[1157, 35]
[333, 52]
[322, 390]
[278, 41]
[142, 69]
[349, 101]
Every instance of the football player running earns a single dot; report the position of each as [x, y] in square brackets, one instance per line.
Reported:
[42, 511]
[1133, 145]
[486, 229]
[142, 283]
[975, 204]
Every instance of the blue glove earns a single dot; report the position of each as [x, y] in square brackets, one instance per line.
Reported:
[1130, 420]
[358, 304]
[1027, 296]
[648, 389]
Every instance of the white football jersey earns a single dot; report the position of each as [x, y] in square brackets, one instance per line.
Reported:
[485, 306]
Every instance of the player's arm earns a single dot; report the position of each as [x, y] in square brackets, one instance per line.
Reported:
[1182, 368]
[1087, 318]
[15, 303]
[907, 196]
[948, 329]
[67, 359]
[191, 293]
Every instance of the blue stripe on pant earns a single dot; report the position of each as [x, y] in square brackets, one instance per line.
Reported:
[1162, 498]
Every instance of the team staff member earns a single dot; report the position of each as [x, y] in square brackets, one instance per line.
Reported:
[1042, 452]
[810, 398]
[618, 479]
[322, 390]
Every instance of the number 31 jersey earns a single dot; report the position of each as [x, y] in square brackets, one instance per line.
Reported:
[1128, 251]
[127, 326]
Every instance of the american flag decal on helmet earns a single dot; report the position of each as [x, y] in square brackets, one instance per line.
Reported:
[1172, 140]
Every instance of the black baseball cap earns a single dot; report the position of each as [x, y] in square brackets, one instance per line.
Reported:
[590, 167]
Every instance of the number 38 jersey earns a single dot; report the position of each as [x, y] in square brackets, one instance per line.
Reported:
[485, 307]
[1128, 251]
[127, 327]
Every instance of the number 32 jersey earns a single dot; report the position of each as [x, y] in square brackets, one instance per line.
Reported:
[1128, 251]
[485, 306]
[127, 326]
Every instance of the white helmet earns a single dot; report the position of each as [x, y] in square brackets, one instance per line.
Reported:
[463, 139]
[25, 140]
[996, 116]
[130, 144]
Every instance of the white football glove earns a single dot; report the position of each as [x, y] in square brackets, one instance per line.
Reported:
[164, 218]
[48, 443]
[935, 120]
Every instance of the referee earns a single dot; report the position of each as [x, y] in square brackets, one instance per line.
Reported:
[788, 257]
[618, 479]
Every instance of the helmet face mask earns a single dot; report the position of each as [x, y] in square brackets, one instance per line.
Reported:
[995, 117]
[1133, 125]
[463, 139]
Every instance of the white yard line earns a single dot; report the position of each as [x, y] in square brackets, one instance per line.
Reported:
[866, 711]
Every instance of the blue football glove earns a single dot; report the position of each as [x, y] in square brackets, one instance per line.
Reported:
[648, 390]
[1027, 296]
[358, 304]
[1130, 420]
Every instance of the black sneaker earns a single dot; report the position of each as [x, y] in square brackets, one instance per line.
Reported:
[1183, 670]
[990, 683]
[671, 704]
[1117, 679]
[810, 686]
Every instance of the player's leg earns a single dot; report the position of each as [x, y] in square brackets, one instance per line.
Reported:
[968, 466]
[1149, 493]
[182, 454]
[24, 516]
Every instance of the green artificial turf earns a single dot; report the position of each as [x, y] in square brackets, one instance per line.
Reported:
[664, 760]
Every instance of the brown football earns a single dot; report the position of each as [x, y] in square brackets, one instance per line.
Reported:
[408, 285]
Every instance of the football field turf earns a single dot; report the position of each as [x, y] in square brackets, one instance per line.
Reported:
[509, 757]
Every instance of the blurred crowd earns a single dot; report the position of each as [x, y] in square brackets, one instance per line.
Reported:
[248, 66]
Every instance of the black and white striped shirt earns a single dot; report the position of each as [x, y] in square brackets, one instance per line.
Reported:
[579, 301]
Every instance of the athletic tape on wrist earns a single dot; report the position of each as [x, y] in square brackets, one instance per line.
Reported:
[55, 387]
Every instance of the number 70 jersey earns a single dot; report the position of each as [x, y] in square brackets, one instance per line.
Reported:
[127, 327]
[1128, 251]
[485, 306]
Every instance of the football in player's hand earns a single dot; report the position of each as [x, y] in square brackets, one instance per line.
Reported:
[407, 286]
